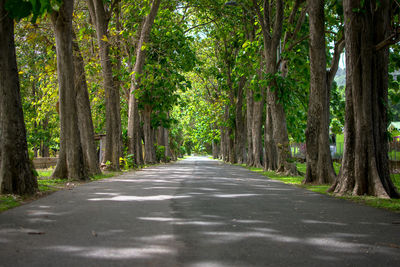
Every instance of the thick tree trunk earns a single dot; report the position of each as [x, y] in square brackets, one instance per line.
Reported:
[249, 125]
[71, 161]
[134, 140]
[16, 174]
[85, 122]
[258, 107]
[365, 164]
[113, 116]
[149, 154]
[319, 162]
[271, 155]
[240, 137]
[168, 155]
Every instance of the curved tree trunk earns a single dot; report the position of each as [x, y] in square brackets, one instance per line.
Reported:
[16, 174]
[71, 161]
[85, 122]
[365, 164]
[113, 151]
[319, 161]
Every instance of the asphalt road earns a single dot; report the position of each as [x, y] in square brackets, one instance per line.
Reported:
[197, 212]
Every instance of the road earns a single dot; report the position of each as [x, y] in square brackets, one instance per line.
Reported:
[196, 212]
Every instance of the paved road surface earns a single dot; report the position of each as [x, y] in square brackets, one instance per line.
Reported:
[197, 212]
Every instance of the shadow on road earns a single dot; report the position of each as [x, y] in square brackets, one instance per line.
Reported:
[197, 212]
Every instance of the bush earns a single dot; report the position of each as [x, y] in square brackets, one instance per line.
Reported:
[160, 153]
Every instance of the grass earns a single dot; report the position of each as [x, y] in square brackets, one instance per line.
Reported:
[46, 186]
[390, 204]
[8, 202]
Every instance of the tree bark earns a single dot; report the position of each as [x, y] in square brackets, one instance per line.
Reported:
[71, 161]
[319, 161]
[256, 130]
[149, 154]
[365, 164]
[249, 124]
[16, 174]
[85, 121]
[113, 151]
[134, 140]
[271, 155]
[240, 137]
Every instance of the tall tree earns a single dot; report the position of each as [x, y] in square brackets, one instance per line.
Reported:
[101, 15]
[70, 163]
[319, 162]
[133, 114]
[365, 164]
[85, 121]
[16, 174]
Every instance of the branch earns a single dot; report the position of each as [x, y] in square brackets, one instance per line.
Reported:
[199, 25]
[338, 49]
[392, 39]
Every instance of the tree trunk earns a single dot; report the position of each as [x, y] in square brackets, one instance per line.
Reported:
[71, 161]
[16, 174]
[319, 162]
[44, 149]
[149, 154]
[113, 116]
[167, 147]
[271, 155]
[249, 124]
[365, 164]
[240, 138]
[85, 122]
[133, 111]
[258, 107]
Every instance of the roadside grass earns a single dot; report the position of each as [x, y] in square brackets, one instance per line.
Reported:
[47, 185]
[390, 204]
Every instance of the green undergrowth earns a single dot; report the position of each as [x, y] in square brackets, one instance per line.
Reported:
[390, 204]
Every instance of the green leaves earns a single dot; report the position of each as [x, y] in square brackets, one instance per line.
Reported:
[19, 9]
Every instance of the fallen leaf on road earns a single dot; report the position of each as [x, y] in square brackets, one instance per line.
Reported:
[36, 233]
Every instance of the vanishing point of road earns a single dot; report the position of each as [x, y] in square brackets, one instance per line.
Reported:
[199, 213]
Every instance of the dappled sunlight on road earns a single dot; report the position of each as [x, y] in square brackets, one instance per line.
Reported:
[197, 212]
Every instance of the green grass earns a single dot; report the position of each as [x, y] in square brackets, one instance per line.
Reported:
[8, 202]
[46, 185]
[390, 204]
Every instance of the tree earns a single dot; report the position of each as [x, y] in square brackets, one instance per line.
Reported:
[16, 174]
[319, 162]
[100, 17]
[85, 122]
[133, 114]
[70, 163]
[365, 164]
